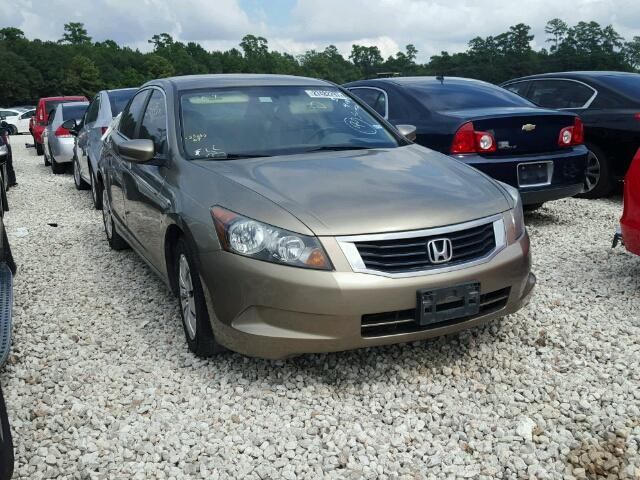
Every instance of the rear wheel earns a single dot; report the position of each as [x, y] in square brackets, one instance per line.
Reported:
[116, 242]
[39, 149]
[56, 167]
[13, 130]
[598, 182]
[77, 178]
[193, 308]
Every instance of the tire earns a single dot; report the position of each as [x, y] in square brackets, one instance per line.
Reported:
[77, 178]
[56, 167]
[39, 149]
[96, 190]
[532, 207]
[598, 181]
[47, 163]
[13, 130]
[193, 307]
[115, 241]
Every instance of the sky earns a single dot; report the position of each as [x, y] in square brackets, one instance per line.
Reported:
[295, 26]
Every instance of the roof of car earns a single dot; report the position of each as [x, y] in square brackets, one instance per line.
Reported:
[404, 81]
[190, 82]
[574, 74]
[66, 97]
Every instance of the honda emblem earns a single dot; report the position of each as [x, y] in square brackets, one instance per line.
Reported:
[439, 250]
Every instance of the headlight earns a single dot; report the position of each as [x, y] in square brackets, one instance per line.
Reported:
[261, 241]
[516, 228]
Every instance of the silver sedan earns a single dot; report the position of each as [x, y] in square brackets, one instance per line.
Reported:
[56, 139]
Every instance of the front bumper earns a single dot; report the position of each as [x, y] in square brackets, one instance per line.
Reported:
[272, 311]
[567, 179]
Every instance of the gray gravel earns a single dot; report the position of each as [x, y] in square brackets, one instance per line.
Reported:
[100, 383]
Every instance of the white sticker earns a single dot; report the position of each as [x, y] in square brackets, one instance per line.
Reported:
[265, 99]
[330, 94]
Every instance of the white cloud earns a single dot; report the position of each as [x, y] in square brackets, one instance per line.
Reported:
[431, 25]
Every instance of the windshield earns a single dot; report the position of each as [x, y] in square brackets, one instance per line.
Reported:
[465, 95]
[265, 121]
[118, 99]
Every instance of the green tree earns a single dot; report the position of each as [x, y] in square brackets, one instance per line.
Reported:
[11, 34]
[367, 59]
[156, 66]
[83, 77]
[75, 34]
[558, 31]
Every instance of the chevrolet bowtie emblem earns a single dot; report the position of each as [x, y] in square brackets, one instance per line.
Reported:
[529, 127]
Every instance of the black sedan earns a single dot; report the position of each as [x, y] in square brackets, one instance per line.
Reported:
[7, 270]
[609, 105]
[539, 151]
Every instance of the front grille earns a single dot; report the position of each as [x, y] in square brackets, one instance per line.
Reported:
[410, 254]
[404, 321]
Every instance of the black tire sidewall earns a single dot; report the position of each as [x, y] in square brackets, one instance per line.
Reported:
[204, 344]
[605, 182]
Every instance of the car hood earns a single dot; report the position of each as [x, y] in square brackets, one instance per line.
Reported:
[369, 191]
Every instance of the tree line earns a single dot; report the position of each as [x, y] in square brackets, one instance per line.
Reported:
[75, 64]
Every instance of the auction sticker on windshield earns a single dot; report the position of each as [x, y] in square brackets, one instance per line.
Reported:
[331, 94]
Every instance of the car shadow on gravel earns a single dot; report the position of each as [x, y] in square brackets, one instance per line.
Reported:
[356, 368]
[542, 218]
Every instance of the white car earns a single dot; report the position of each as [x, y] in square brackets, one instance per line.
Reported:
[17, 118]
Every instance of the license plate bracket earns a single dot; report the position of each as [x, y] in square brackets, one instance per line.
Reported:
[444, 304]
[535, 174]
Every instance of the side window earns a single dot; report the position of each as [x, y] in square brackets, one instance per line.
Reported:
[154, 122]
[92, 111]
[519, 87]
[28, 114]
[375, 98]
[131, 115]
[559, 93]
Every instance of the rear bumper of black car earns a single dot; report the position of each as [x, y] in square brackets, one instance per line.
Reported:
[566, 178]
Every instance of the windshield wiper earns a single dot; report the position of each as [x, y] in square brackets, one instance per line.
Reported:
[336, 148]
[231, 156]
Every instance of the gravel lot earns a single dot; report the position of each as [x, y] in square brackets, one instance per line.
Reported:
[100, 383]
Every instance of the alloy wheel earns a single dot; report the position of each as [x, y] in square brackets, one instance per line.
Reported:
[593, 172]
[187, 300]
[106, 215]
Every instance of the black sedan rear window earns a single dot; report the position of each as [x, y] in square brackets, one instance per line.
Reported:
[458, 96]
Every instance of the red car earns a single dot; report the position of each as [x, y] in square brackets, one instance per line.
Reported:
[629, 232]
[38, 122]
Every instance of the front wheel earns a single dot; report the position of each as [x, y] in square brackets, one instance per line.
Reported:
[47, 163]
[116, 242]
[598, 182]
[96, 190]
[193, 307]
[77, 178]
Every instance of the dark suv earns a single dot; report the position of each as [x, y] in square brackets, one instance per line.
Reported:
[609, 105]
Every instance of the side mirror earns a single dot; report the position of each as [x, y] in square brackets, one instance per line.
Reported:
[137, 151]
[407, 131]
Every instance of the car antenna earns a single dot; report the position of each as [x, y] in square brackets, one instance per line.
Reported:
[441, 78]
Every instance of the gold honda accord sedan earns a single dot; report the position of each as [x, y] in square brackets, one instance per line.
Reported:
[289, 218]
